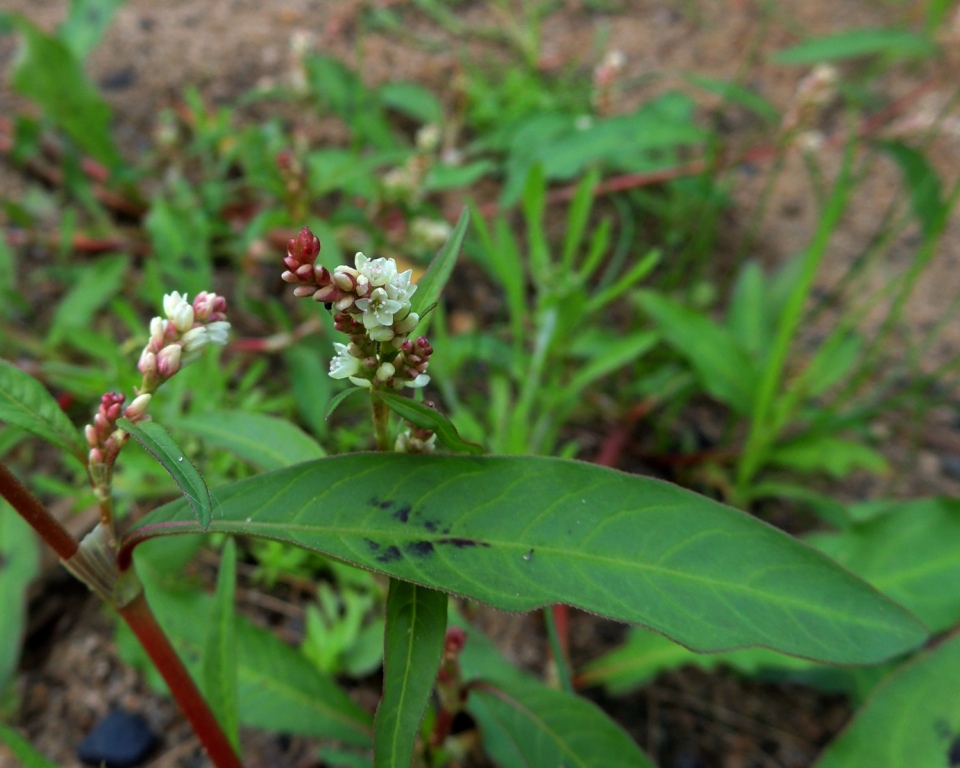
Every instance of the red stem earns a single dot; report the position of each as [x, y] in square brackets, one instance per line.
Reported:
[32, 510]
[140, 619]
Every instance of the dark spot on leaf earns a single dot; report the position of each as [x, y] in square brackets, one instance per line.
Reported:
[403, 513]
[376, 502]
[445, 531]
[388, 555]
[3, 561]
[372, 544]
[431, 526]
[461, 543]
[420, 548]
[953, 756]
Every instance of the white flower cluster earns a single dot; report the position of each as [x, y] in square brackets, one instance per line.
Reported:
[381, 294]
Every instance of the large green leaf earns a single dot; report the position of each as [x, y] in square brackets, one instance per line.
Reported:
[219, 661]
[523, 532]
[911, 553]
[528, 724]
[159, 444]
[25, 403]
[266, 441]
[721, 364]
[19, 563]
[279, 689]
[911, 719]
[47, 71]
[413, 645]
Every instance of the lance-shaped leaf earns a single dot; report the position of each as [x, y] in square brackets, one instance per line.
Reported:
[528, 724]
[413, 645]
[25, 403]
[523, 532]
[219, 661]
[431, 284]
[911, 719]
[266, 441]
[426, 417]
[159, 444]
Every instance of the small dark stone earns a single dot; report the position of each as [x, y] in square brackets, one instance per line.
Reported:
[951, 465]
[118, 79]
[120, 740]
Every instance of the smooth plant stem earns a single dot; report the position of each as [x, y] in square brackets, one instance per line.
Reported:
[381, 423]
[140, 619]
[556, 649]
[32, 510]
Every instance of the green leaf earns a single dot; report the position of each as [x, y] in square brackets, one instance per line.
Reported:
[279, 689]
[833, 455]
[736, 94]
[856, 43]
[97, 285]
[723, 367]
[158, 443]
[523, 532]
[441, 177]
[749, 318]
[86, 22]
[219, 662]
[612, 357]
[47, 72]
[926, 195]
[426, 417]
[339, 398]
[431, 284]
[646, 653]
[911, 719]
[910, 553]
[266, 441]
[23, 750]
[413, 646]
[19, 564]
[528, 724]
[25, 403]
[412, 100]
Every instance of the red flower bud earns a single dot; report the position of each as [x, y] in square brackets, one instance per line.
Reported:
[305, 247]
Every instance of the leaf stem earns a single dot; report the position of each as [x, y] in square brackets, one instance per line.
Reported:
[556, 648]
[381, 422]
[32, 510]
[140, 619]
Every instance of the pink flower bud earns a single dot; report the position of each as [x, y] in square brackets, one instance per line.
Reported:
[305, 247]
[95, 456]
[148, 363]
[304, 290]
[91, 434]
[136, 410]
[168, 361]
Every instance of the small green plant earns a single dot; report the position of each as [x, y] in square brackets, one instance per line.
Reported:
[516, 532]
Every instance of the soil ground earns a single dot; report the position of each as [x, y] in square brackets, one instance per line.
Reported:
[71, 674]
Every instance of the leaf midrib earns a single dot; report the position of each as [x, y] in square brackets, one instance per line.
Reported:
[396, 535]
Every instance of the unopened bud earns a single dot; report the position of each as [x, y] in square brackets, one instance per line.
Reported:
[148, 363]
[305, 247]
[385, 371]
[168, 361]
[138, 407]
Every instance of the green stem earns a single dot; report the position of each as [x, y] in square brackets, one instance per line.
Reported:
[381, 423]
[559, 657]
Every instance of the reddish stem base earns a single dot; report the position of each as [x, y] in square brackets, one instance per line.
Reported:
[140, 619]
